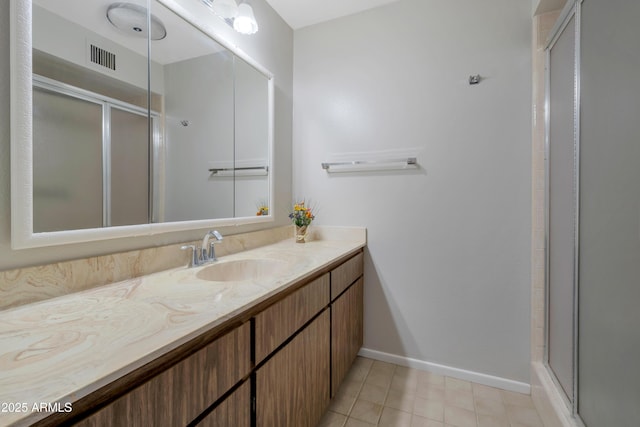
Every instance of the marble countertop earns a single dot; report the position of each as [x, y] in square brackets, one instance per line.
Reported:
[62, 349]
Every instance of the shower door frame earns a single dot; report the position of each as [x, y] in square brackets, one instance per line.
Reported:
[154, 143]
[571, 10]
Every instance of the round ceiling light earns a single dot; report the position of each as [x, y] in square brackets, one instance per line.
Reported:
[132, 19]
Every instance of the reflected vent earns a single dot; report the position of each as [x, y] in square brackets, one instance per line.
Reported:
[102, 57]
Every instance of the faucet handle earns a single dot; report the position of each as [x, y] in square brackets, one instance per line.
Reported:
[212, 250]
[194, 254]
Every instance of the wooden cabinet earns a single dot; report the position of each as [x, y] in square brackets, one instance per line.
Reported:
[304, 342]
[182, 392]
[234, 411]
[281, 320]
[344, 275]
[346, 317]
[346, 332]
[292, 388]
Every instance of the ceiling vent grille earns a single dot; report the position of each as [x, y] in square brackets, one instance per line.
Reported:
[102, 57]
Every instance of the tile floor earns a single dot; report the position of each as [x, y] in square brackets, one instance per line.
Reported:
[382, 394]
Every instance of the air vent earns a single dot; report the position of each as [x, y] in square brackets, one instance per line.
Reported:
[102, 57]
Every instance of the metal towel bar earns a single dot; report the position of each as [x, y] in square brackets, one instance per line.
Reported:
[371, 164]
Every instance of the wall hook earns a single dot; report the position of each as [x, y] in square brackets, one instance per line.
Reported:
[474, 80]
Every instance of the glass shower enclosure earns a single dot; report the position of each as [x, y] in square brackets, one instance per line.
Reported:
[593, 211]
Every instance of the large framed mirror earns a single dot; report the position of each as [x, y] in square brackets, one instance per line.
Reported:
[132, 118]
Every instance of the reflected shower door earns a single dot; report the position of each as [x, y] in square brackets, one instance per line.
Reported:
[561, 209]
[67, 162]
[129, 168]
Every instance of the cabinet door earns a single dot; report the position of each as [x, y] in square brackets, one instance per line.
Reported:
[344, 275]
[277, 323]
[234, 411]
[346, 332]
[178, 395]
[292, 388]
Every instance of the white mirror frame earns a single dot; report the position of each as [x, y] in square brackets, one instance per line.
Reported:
[22, 235]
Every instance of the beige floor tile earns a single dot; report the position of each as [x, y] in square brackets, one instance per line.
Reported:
[457, 384]
[379, 378]
[352, 422]
[400, 382]
[429, 409]
[517, 399]
[394, 418]
[460, 398]
[342, 404]
[430, 391]
[368, 412]
[345, 397]
[385, 367]
[400, 400]
[524, 417]
[486, 392]
[492, 421]
[430, 378]
[404, 372]
[359, 370]
[373, 393]
[363, 361]
[379, 393]
[490, 407]
[459, 417]
[357, 375]
[332, 419]
[418, 421]
[349, 388]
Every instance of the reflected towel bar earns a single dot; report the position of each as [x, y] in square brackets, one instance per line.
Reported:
[367, 165]
[257, 170]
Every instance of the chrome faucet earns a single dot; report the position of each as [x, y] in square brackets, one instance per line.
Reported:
[208, 248]
[206, 253]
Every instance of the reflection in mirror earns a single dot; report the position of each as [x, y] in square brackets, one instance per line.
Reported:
[122, 139]
[251, 140]
[90, 121]
[199, 96]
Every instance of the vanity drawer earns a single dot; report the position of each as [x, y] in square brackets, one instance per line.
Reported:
[234, 411]
[345, 274]
[281, 320]
[181, 393]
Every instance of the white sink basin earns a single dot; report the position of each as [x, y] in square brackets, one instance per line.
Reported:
[243, 269]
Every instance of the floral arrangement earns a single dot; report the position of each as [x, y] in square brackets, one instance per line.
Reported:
[263, 208]
[301, 215]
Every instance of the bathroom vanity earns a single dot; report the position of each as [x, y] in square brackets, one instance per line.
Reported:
[262, 337]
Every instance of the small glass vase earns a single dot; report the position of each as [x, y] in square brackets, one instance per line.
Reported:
[301, 233]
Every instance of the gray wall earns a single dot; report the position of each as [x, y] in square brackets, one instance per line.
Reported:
[210, 136]
[448, 260]
[272, 47]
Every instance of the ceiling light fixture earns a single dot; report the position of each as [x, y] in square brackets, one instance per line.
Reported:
[245, 22]
[132, 19]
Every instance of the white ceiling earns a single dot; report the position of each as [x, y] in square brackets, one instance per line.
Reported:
[301, 13]
[182, 42]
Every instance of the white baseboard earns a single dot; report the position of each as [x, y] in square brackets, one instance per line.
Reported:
[476, 377]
